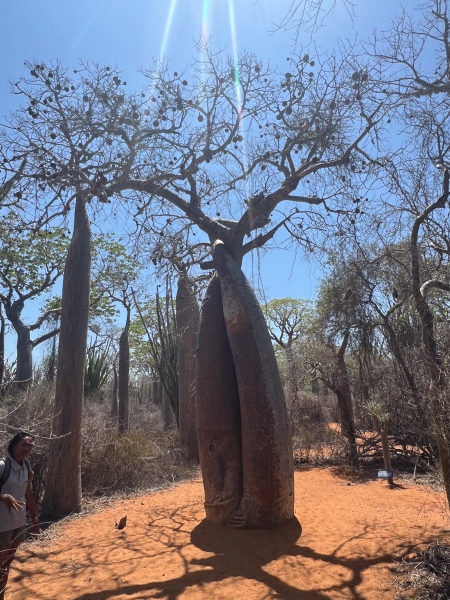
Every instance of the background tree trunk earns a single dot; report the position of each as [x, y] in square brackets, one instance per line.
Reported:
[338, 382]
[267, 460]
[314, 380]
[2, 349]
[156, 391]
[166, 409]
[188, 319]
[63, 489]
[51, 365]
[114, 403]
[439, 393]
[24, 370]
[124, 375]
[344, 399]
[293, 374]
[217, 411]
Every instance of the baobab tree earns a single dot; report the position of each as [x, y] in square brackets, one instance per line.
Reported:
[188, 320]
[73, 133]
[250, 140]
[172, 262]
[222, 148]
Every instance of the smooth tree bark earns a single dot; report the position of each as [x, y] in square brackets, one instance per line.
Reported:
[217, 411]
[267, 459]
[124, 374]
[188, 319]
[63, 489]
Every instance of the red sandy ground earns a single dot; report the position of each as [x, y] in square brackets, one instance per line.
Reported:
[349, 537]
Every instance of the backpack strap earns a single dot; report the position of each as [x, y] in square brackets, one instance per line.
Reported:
[30, 470]
[6, 471]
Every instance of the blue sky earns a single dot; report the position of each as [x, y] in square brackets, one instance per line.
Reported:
[130, 33]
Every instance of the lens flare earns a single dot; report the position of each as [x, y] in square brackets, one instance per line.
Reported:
[172, 7]
[92, 19]
[167, 27]
[232, 18]
[205, 19]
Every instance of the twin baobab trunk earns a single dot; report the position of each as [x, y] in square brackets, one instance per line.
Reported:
[244, 435]
[63, 489]
[217, 411]
[188, 318]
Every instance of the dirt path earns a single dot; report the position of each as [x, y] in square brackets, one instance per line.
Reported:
[344, 548]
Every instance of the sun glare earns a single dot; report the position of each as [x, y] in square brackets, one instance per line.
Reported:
[232, 18]
[172, 7]
[205, 18]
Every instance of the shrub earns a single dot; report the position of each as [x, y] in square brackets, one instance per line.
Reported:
[146, 457]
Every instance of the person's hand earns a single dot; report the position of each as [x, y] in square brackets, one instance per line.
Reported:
[11, 502]
[35, 527]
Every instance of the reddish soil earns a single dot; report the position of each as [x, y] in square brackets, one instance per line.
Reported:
[343, 545]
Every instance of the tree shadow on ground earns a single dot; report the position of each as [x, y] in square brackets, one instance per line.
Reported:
[247, 554]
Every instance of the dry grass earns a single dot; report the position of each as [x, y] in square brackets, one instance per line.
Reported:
[425, 576]
[145, 458]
